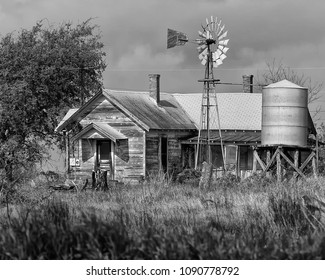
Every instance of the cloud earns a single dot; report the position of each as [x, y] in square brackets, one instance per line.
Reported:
[134, 34]
[143, 57]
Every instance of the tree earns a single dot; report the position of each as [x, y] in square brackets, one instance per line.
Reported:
[277, 71]
[44, 71]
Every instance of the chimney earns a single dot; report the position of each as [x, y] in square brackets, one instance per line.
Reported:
[248, 83]
[154, 87]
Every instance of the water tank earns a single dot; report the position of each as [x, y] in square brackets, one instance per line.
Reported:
[284, 114]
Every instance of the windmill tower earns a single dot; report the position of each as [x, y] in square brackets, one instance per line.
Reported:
[212, 48]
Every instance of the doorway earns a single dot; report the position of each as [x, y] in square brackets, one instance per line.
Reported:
[164, 154]
[104, 157]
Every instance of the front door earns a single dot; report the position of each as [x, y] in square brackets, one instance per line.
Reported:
[104, 156]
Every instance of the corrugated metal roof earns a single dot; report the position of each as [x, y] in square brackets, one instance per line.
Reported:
[168, 115]
[237, 111]
[239, 137]
[103, 129]
[140, 107]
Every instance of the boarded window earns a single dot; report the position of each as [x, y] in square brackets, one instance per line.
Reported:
[87, 150]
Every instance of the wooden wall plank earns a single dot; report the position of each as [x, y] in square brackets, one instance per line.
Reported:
[129, 154]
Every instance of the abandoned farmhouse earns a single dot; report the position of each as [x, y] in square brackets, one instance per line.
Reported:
[132, 134]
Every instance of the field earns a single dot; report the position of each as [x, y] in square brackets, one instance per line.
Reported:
[252, 219]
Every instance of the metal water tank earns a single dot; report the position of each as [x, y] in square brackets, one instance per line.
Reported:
[284, 114]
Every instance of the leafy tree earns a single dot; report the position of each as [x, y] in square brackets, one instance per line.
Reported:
[44, 71]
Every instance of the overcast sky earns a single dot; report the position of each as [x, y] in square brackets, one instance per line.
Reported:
[134, 34]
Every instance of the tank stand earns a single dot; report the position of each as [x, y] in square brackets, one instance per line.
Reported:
[284, 157]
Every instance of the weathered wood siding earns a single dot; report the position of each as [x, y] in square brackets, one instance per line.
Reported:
[174, 150]
[152, 153]
[128, 154]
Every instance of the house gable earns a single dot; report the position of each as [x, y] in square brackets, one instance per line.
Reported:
[93, 105]
[99, 131]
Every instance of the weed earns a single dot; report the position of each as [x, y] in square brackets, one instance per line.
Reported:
[158, 219]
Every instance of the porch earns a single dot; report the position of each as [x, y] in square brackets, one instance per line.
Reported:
[238, 152]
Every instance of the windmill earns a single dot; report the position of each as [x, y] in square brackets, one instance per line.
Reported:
[212, 47]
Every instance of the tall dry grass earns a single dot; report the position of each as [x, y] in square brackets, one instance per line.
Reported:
[252, 219]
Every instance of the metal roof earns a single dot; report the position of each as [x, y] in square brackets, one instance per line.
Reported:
[168, 115]
[102, 129]
[237, 111]
[139, 107]
[238, 137]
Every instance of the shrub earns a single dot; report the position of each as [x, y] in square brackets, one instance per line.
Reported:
[257, 180]
[228, 180]
[189, 176]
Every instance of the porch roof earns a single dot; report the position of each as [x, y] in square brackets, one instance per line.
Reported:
[238, 137]
[102, 129]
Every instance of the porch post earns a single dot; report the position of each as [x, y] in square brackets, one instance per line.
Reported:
[67, 151]
[95, 154]
[112, 173]
[238, 162]
[278, 167]
[254, 161]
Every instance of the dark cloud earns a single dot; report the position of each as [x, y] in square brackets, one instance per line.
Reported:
[134, 33]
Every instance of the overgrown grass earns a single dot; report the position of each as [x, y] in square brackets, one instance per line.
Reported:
[252, 219]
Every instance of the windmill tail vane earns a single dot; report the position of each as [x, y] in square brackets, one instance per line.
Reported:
[175, 38]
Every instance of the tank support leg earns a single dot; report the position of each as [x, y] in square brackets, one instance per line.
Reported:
[278, 167]
[296, 162]
[268, 159]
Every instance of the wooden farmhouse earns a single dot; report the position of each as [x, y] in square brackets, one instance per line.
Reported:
[133, 134]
